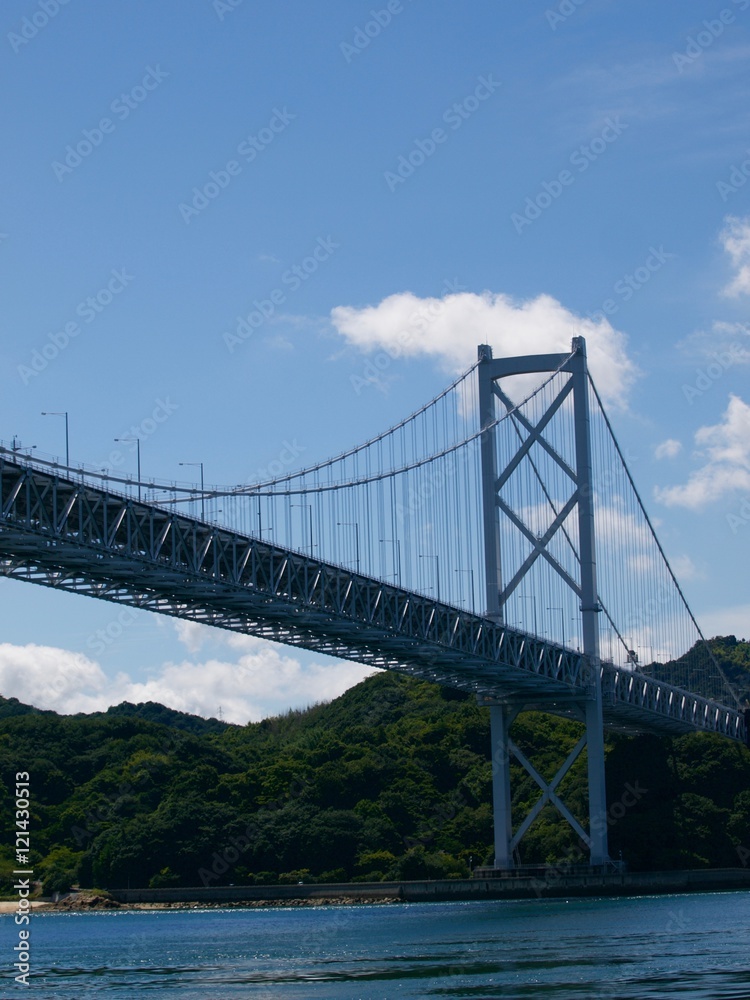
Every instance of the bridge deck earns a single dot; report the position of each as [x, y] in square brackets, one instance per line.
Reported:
[74, 536]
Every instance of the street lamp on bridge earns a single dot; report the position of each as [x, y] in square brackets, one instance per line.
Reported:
[355, 525]
[61, 413]
[309, 507]
[203, 495]
[471, 577]
[397, 552]
[562, 621]
[437, 573]
[138, 450]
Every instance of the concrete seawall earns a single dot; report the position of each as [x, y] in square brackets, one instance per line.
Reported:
[556, 884]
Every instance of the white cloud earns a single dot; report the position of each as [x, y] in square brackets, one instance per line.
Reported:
[52, 678]
[260, 682]
[192, 635]
[684, 568]
[622, 530]
[727, 621]
[725, 343]
[450, 328]
[735, 238]
[256, 685]
[727, 447]
[668, 449]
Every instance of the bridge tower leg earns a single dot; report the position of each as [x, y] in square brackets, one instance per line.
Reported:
[501, 719]
[491, 514]
[500, 716]
[590, 710]
[590, 608]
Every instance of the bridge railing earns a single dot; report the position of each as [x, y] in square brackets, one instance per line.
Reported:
[157, 558]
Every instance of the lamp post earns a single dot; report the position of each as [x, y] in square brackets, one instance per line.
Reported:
[138, 450]
[61, 413]
[437, 574]
[471, 574]
[203, 496]
[309, 507]
[562, 621]
[355, 525]
[397, 552]
[16, 445]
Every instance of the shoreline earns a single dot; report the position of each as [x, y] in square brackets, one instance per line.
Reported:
[553, 885]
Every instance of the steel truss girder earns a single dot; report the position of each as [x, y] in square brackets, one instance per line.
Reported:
[71, 536]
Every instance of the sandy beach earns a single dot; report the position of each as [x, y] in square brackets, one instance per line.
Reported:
[10, 906]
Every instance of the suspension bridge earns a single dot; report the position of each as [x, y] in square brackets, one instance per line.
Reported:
[493, 541]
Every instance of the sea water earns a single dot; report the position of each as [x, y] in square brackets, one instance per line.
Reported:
[695, 946]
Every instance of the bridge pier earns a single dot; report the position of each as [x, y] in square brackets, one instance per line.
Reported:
[501, 719]
[598, 846]
[504, 750]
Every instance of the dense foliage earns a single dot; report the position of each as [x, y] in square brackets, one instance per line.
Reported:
[392, 780]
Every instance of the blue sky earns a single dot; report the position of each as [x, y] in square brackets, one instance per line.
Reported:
[548, 169]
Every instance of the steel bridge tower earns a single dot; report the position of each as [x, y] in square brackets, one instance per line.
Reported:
[587, 707]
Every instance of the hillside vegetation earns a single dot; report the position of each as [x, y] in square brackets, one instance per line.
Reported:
[390, 781]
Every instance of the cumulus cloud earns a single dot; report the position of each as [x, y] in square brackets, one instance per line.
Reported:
[726, 448]
[450, 328]
[52, 678]
[735, 238]
[259, 682]
[668, 449]
[192, 635]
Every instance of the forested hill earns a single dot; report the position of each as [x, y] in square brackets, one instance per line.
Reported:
[391, 780]
[733, 656]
